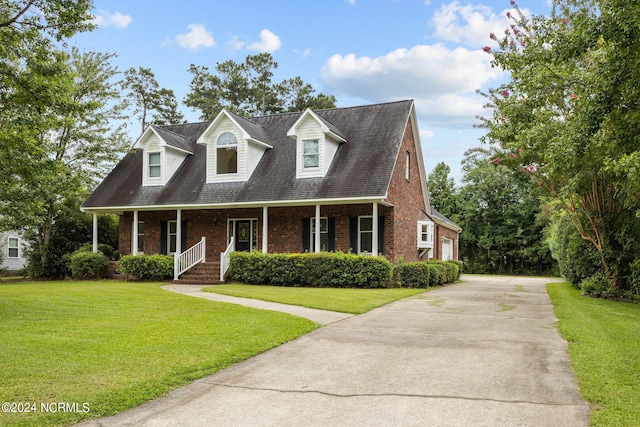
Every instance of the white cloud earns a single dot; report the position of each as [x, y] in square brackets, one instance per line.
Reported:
[197, 37]
[426, 133]
[269, 42]
[469, 24]
[442, 81]
[117, 20]
[235, 43]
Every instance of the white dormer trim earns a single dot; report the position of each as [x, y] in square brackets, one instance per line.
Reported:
[249, 150]
[170, 158]
[311, 128]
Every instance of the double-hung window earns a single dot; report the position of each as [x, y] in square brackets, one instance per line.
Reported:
[154, 165]
[365, 234]
[310, 153]
[227, 154]
[425, 234]
[140, 237]
[13, 251]
[172, 235]
[324, 234]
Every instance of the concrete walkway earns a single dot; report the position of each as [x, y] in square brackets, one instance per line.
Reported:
[323, 317]
[484, 352]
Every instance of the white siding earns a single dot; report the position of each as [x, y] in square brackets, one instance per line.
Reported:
[12, 264]
[152, 145]
[331, 147]
[173, 159]
[249, 154]
[309, 128]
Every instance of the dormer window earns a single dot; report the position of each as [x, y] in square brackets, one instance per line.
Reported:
[155, 168]
[163, 151]
[311, 153]
[227, 154]
[317, 142]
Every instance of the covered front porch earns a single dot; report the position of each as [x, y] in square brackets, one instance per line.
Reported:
[212, 231]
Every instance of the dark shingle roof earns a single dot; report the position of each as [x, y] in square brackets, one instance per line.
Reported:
[362, 167]
[174, 139]
[437, 215]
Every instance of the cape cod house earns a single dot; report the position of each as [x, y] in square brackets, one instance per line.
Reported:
[344, 179]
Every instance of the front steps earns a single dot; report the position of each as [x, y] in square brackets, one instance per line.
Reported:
[201, 274]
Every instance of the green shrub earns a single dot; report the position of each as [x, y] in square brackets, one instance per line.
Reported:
[411, 275]
[634, 280]
[338, 270]
[458, 264]
[437, 273]
[148, 267]
[107, 250]
[88, 265]
[577, 258]
[594, 285]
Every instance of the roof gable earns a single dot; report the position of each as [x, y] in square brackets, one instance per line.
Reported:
[326, 127]
[250, 131]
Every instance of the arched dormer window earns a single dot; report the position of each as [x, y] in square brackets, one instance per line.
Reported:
[227, 154]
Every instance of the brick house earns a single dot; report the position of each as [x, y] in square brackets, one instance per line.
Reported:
[344, 179]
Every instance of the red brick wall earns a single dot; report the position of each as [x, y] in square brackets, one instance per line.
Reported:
[439, 233]
[407, 199]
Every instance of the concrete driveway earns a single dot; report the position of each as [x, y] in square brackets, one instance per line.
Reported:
[483, 352]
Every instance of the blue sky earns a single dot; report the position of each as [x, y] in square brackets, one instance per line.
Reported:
[361, 51]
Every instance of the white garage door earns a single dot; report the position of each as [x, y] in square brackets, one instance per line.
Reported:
[447, 249]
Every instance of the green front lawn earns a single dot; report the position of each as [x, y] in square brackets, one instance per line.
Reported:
[354, 301]
[604, 346]
[115, 345]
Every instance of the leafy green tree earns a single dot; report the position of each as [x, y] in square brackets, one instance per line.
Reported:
[29, 74]
[71, 229]
[248, 88]
[569, 118]
[499, 210]
[149, 98]
[77, 141]
[443, 193]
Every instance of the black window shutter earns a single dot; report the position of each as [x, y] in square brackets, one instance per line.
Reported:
[183, 240]
[163, 237]
[331, 234]
[353, 234]
[381, 235]
[306, 235]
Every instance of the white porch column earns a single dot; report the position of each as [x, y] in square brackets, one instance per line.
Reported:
[95, 233]
[179, 231]
[265, 228]
[134, 234]
[316, 242]
[374, 237]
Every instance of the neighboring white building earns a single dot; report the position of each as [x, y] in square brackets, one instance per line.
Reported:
[13, 247]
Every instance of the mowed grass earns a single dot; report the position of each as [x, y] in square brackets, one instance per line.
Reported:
[354, 301]
[115, 345]
[604, 346]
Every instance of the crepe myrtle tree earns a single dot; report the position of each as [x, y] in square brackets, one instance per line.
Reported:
[569, 117]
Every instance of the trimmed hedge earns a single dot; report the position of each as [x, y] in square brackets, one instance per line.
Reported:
[411, 275]
[148, 267]
[89, 265]
[338, 270]
[335, 270]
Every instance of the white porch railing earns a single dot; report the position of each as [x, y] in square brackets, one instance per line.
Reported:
[225, 256]
[187, 259]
